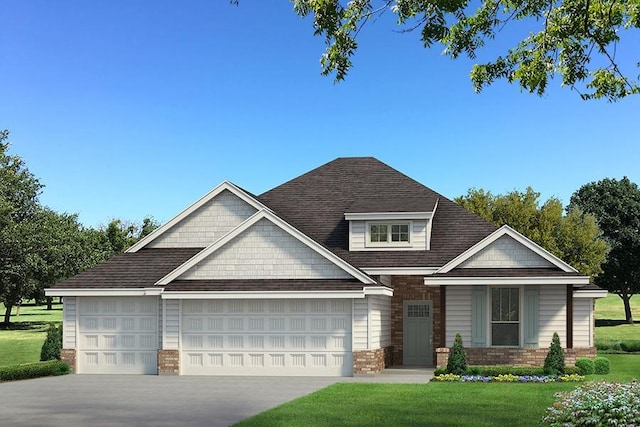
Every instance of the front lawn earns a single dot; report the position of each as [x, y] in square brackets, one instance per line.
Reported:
[610, 323]
[23, 341]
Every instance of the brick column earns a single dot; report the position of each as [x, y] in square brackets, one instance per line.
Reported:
[168, 362]
[68, 356]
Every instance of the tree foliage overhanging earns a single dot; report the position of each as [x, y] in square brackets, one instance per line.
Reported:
[577, 40]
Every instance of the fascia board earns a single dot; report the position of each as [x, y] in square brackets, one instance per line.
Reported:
[400, 271]
[508, 231]
[378, 290]
[103, 292]
[225, 185]
[488, 280]
[385, 216]
[590, 293]
[265, 295]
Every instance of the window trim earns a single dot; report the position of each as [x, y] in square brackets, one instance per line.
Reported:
[369, 244]
[490, 320]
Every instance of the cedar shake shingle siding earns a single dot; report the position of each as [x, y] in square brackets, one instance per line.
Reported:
[265, 285]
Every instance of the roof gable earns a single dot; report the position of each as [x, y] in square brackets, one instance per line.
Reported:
[506, 248]
[265, 247]
[205, 221]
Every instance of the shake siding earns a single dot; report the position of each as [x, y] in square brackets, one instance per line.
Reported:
[360, 324]
[506, 253]
[207, 224]
[552, 308]
[380, 321]
[458, 314]
[69, 310]
[418, 238]
[265, 251]
[582, 324]
[172, 324]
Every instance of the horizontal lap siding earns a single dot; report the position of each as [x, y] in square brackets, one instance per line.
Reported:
[380, 320]
[360, 324]
[172, 324]
[69, 327]
[458, 314]
[207, 224]
[357, 235]
[553, 310]
[582, 322]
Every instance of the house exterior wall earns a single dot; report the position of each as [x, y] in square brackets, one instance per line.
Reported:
[458, 314]
[171, 330]
[552, 314]
[265, 251]
[582, 322]
[360, 324]
[358, 236]
[412, 288]
[207, 224]
[380, 320]
[514, 356]
[506, 253]
[69, 322]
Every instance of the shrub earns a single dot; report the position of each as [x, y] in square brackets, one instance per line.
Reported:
[440, 371]
[571, 370]
[554, 362]
[630, 346]
[52, 344]
[586, 366]
[598, 404]
[457, 363]
[33, 370]
[494, 371]
[601, 365]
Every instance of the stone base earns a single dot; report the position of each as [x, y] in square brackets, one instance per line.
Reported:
[513, 356]
[68, 356]
[168, 362]
[372, 361]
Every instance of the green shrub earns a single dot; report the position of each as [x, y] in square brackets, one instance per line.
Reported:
[596, 404]
[585, 365]
[33, 370]
[572, 370]
[617, 346]
[601, 365]
[457, 363]
[52, 344]
[554, 362]
[494, 371]
[631, 346]
[440, 371]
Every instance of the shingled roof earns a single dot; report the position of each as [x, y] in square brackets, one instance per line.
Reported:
[316, 202]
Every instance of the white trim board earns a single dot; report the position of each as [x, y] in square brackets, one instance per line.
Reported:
[103, 292]
[505, 230]
[497, 281]
[400, 271]
[225, 185]
[387, 216]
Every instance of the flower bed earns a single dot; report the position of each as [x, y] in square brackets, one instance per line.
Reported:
[508, 378]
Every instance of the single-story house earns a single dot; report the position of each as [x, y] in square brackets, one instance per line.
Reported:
[344, 270]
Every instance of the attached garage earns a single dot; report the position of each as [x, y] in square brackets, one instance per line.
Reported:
[292, 337]
[117, 335]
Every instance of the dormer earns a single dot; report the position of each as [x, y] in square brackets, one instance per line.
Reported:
[401, 224]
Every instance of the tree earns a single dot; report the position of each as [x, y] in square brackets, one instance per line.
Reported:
[554, 362]
[575, 39]
[574, 237]
[457, 362]
[616, 206]
[19, 191]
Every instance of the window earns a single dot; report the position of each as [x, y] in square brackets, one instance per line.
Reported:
[505, 316]
[389, 233]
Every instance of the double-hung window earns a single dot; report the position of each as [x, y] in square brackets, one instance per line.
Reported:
[505, 316]
[392, 233]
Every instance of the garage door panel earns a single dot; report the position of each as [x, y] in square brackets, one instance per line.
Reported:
[266, 337]
[118, 335]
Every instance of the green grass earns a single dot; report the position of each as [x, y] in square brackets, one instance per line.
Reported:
[610, 320]
[23, 341]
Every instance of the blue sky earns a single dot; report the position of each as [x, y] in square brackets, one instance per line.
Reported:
[126, 109]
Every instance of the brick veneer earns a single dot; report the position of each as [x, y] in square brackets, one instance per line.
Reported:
[168, 362]
[68, 356]
[411, 288]
[513, 356]
[372, 361]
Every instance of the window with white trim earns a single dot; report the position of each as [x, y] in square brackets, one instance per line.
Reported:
[505, 316]
[388, 233]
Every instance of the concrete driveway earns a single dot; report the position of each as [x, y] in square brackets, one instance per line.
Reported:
[146, 400]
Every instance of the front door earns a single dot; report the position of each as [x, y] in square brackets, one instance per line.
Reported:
[417, 333]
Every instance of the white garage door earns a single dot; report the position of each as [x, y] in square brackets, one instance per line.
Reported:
[118, 335]
[266, 337]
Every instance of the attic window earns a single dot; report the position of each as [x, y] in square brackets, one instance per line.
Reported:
[388, 233]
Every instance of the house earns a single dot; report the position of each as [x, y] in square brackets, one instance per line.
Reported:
[344, 270]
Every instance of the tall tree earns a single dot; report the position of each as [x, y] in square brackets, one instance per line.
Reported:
[19, 191]
[574, 237]
[575, 39]
[616, 205]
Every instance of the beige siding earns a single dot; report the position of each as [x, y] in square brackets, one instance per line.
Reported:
[207, 224]
[458, 314]
[418, 237]
[379, 321]
[265, 251]
[553, 309]
[172, 324]
[360, 324]
[582, 322]
[69, 310]
[505, 253]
